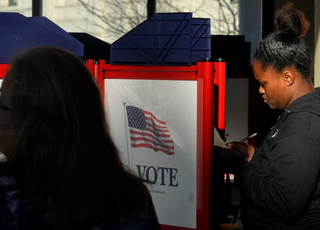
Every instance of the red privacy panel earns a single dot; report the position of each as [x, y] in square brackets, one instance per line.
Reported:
[3, 70]
[220, 95]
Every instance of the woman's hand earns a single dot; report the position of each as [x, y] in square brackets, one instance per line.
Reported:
[246, 150]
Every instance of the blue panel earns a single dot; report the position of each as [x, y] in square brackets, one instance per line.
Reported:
[164, 39]
[18, 32]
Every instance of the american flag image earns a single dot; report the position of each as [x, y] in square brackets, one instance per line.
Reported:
[146, 130]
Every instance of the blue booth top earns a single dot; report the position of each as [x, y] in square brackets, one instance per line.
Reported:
[18, 32]
[164, 39]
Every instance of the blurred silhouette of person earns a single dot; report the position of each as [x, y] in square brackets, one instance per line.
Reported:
[61, 168]
[280, 181]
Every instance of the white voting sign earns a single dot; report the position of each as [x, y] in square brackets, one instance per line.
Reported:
[154, 126]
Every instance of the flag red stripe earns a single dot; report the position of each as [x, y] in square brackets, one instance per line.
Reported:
[146, 139]
[155, 146]
[155, 136]
[154, 117]
[150, 127]
[151, 147]
[151, 122]
[159, 133]
[150, 135]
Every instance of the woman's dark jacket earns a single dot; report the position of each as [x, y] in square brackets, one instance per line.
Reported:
[280, 187]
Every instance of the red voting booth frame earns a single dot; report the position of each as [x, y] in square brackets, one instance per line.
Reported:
[3, 70]
[207, 75]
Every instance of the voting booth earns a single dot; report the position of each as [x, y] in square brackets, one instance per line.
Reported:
[161, 119]
[161, 104]
[163, 95]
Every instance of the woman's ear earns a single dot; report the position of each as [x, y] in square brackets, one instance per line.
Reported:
[288, 77]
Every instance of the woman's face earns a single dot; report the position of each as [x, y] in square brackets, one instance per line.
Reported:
[273, 87]
[6, 130]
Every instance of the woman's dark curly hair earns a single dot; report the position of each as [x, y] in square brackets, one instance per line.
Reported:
[286, 47]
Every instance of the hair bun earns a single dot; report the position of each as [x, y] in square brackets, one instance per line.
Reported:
[291, 20]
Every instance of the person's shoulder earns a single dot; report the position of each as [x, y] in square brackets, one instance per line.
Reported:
[142, 220]
[309, 103]
[7, 179]
[18, 206]
[9, 189]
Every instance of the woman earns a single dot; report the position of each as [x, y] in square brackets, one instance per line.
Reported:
[279, 182]
[62, 169]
